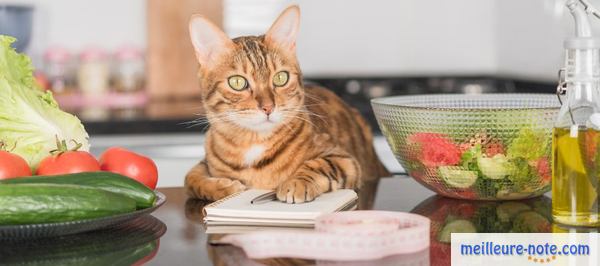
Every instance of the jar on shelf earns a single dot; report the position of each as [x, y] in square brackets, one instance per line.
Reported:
[93, 74]
[58, 66]
[129, 69]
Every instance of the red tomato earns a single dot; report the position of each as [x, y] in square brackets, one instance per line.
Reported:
[69, 162]
[465, 210]
[493, 148]
[12, 165]
[544, 170]
[121, 161]
[439, 253]
[467, 194]
[436, 149]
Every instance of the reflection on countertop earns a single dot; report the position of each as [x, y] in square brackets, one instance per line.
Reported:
[405, 194]
[189, 242]
[464, 216]
[230, 255]
[186, 243]
[132, 243]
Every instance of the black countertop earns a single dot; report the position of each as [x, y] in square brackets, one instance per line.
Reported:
[177, 237]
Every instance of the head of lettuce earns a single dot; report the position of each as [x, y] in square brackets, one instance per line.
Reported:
[30, 120]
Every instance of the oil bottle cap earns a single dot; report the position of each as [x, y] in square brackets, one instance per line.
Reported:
[582, 43]
[582, 61]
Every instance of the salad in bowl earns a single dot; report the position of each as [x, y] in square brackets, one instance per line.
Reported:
[484, 147]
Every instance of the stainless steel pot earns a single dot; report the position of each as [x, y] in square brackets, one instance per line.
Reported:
[16, 21]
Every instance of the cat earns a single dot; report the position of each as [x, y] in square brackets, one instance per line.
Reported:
[267, 130]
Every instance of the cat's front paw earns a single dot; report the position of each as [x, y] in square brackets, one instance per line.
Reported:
[225, 187]
[297, 190]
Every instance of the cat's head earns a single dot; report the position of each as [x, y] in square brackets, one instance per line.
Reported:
[251, 82]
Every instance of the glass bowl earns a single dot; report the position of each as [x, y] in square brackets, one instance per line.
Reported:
[482, 147]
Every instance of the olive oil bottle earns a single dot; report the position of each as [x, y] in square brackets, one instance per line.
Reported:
[576, 169]
[576, 137]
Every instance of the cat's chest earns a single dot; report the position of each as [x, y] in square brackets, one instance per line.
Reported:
[257, 165]
[253, 154]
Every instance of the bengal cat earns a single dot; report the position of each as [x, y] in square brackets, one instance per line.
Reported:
[268, 130]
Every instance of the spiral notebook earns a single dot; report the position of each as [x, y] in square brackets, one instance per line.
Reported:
[237, 211]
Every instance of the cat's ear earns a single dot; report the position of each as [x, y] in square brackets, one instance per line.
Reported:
[284, 30]
[209, 41]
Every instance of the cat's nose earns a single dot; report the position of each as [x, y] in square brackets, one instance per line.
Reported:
[268, 109]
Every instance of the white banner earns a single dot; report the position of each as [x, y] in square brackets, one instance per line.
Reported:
[504, 249]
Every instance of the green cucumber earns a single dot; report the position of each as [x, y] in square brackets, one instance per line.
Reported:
[530, 222]
[456, 177]
[86, 256]
[49, 203]
[508, 210]
[506, 194]
[143, 196]
[496, 167]
[456, 226]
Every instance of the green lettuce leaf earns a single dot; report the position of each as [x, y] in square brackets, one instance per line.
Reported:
[469, 158]
[522, 174]
[30, 120]
[528, 144]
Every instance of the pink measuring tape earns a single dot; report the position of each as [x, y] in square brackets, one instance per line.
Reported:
[342, 236]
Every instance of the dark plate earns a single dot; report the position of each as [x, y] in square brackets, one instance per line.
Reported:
[74, 227]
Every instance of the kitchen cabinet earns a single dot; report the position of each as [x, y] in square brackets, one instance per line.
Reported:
[172, 66]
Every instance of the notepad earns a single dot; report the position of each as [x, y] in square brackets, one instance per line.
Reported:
[236, 210]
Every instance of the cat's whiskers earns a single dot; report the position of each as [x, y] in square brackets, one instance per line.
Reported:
[287, 125]
[196, 122]
[297, 116]
[206, 119]
[306, 111]
[232, 116]
[288, 113]
[313, 98]
[315, 104]
[303, 110]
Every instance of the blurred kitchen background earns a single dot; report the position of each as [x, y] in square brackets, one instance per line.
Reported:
[127, 68]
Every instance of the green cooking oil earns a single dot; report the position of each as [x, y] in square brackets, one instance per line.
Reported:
[575, 173]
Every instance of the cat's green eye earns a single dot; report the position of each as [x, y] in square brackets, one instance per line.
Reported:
[280, 78]
[237, 83]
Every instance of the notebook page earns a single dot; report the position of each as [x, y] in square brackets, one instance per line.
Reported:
[239, 206]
